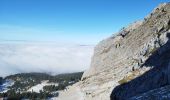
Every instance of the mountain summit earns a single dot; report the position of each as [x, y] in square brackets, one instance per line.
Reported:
[134, 64]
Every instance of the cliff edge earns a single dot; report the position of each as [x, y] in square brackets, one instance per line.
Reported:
[133, 64]
[130, 62]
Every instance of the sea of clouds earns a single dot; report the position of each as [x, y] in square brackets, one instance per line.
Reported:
[23, 57]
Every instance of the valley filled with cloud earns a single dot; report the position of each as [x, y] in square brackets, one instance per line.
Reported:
[21, 57]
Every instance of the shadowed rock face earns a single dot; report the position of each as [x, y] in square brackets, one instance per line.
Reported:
[156, 94]
[133, 62]
[157, 77]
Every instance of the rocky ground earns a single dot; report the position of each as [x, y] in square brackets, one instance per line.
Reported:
[71, 93]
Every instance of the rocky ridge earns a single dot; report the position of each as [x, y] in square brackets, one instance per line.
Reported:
[132, 63]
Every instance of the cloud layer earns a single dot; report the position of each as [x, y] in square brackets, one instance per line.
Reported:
[43, 57]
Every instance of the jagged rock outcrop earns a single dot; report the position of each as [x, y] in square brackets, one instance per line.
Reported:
[133, 62]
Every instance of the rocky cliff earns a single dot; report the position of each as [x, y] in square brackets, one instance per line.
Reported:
[134, 64]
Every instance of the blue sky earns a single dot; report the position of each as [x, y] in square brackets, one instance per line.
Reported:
[69, 21]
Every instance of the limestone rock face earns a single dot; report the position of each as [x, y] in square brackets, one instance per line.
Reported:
[134, 64]
[122, 58]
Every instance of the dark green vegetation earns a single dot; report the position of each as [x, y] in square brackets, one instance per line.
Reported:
[1, 80]
[24, 81]
[12, 95]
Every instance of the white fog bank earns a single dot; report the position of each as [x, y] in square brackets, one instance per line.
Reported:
[43, 57]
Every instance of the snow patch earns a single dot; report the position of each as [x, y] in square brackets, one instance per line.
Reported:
[39, 87]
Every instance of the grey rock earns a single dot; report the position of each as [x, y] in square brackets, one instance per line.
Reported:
[132, 62]
[162, 93]
[145, 45]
